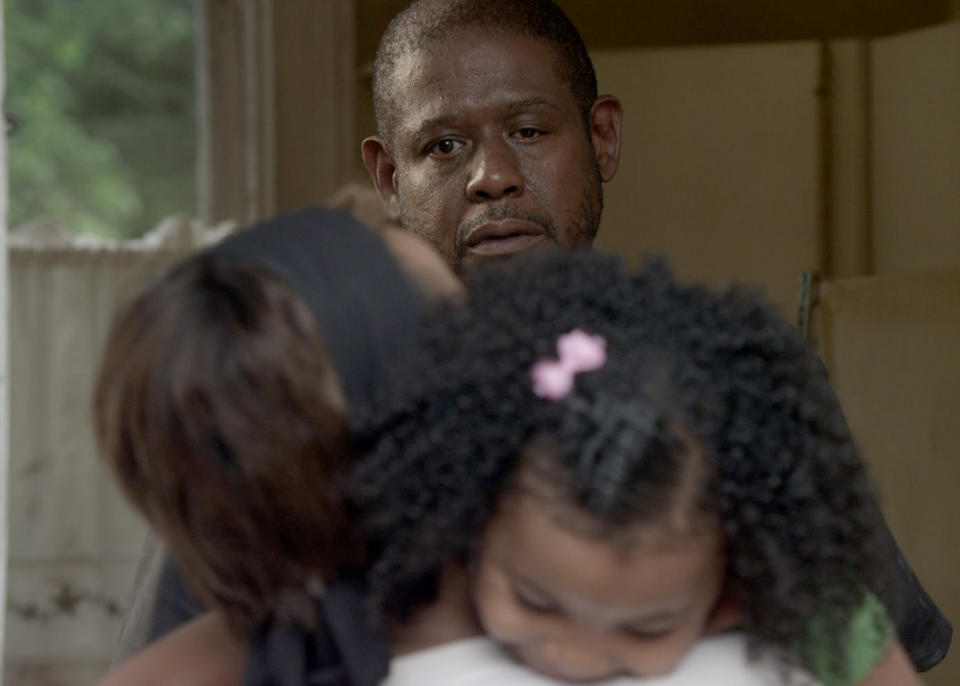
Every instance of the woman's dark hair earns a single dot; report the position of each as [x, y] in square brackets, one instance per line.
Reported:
[222, 398]
[701, 387]
[183, 418]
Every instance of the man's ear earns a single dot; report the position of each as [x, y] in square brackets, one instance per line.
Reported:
[606, 118]
[383, 172]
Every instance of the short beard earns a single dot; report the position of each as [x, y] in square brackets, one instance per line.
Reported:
[591, 207]
[500, 212]
[587, 222]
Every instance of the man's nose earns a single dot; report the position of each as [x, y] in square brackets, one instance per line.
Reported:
[495, 173]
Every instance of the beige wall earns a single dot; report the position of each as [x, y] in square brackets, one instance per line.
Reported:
[723, 168]
[719, 164]
[916, 86]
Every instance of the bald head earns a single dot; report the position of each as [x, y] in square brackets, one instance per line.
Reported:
[425, 22]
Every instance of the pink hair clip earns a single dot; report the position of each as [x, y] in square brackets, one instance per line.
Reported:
[577, 352]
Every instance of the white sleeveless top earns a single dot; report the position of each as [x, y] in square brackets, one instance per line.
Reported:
[715, 661]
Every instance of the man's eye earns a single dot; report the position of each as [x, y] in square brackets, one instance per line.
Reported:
[444, 146]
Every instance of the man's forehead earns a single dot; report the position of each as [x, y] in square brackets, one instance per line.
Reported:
[438, 81]
[469, 49]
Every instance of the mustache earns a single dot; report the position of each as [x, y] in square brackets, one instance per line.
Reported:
[502, 212]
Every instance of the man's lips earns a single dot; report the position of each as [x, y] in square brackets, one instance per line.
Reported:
[504, 236]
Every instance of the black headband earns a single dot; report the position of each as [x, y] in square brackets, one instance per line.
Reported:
[366, 310]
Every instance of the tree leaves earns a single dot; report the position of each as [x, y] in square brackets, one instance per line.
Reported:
[103, 91]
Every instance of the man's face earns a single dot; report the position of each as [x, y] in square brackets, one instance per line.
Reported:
[489, 154]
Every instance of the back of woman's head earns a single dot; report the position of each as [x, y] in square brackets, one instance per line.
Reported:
[706, 400]
[183, 417]
[221, 405]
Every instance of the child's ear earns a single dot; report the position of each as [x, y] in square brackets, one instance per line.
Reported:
[727, 613]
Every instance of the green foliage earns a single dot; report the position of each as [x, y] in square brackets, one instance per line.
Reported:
[103, 94]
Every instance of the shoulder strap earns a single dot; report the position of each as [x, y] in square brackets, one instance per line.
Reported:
[346, 649]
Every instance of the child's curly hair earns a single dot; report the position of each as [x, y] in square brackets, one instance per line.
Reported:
[686, 365]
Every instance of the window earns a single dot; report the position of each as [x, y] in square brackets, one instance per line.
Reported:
[100, 107]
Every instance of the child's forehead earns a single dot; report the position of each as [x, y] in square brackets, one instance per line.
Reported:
[532, 504]
[638, 504]
[544, 544]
